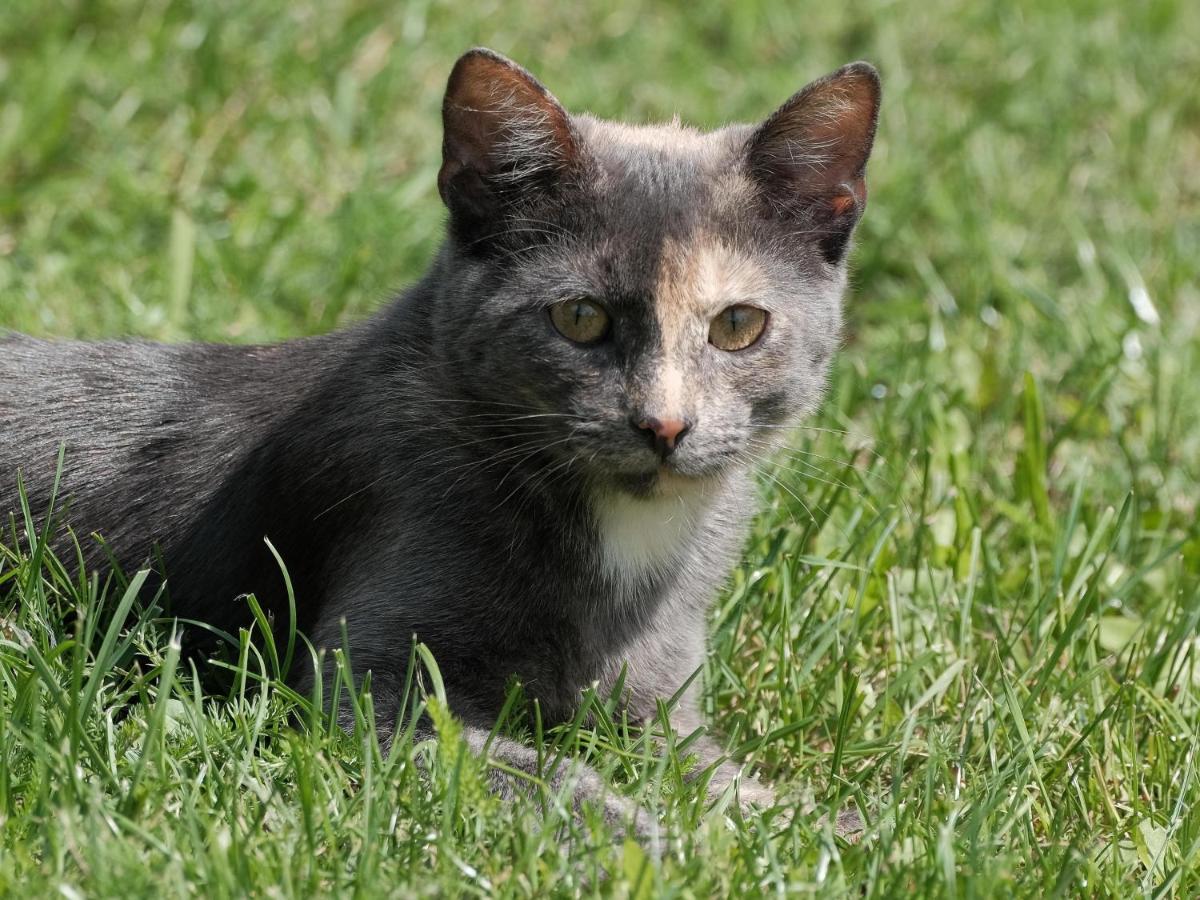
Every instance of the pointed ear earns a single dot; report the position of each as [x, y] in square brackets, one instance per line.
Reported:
[505, 137]
[809, 159]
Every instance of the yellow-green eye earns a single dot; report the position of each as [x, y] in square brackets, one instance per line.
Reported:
[737, 327]
[580, 320]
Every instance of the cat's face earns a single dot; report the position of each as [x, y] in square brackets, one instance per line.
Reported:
[654, 301]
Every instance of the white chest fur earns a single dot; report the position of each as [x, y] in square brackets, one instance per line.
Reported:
[643, 535]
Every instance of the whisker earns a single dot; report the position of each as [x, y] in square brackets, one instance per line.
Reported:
[540, 474]
[814, 474]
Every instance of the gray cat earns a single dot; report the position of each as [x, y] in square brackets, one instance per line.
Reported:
[536, 459]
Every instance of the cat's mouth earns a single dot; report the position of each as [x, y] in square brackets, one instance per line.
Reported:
[663, 479]
[640, 484]
[641, 473]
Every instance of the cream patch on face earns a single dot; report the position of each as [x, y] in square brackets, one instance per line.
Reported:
[641, 536]
[671, 392]
[698, 278]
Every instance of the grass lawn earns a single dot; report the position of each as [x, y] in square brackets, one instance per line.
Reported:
[971, 604]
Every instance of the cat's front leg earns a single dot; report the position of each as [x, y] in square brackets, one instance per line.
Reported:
[668, 656]
[751, 794]
[722, 771]
[515, 772]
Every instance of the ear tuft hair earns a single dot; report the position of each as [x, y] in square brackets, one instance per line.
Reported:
[809, 158]
[505, 136]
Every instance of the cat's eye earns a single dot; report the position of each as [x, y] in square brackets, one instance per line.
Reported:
[737, 327]
[580, 320]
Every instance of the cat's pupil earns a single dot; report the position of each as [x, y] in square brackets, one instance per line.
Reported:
[737, 327]
[579, 320]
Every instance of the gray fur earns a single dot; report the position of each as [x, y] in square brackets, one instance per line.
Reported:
[446, 468]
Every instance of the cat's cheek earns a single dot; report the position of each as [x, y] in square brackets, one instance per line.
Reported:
[773, 409]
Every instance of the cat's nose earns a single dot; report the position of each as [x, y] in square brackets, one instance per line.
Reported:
[664, 434]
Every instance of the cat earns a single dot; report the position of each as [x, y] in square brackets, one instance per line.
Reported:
[537, 459]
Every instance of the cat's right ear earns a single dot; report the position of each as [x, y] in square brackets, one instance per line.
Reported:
[506, 138]
[810, 157]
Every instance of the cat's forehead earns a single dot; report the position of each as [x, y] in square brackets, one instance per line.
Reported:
[704, 272]
[671, 205]
[666, 164]
[672, 138]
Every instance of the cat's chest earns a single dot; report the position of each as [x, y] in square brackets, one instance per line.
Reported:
[644, 538]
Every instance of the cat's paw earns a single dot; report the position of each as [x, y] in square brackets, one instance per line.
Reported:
[622, 817]
[753, 795]
[848, 824]
[626, 818]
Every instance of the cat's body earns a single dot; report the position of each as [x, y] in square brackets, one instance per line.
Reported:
[528, 497]
[551, 586]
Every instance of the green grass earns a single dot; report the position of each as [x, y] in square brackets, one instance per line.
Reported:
[971, 602]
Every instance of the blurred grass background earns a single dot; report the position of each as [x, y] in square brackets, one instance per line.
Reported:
[971, 603]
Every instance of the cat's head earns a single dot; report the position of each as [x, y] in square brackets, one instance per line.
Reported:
[653, 302]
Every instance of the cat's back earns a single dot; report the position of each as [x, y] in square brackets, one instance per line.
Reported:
[84, 395]
[105, 395]
[138, 420]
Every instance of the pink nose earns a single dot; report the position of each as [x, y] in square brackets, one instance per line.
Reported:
[664, 434]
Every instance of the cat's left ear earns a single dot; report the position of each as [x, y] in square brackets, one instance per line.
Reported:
[809, 159]
[506, 137]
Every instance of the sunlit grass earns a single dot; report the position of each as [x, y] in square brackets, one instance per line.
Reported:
[970, 606]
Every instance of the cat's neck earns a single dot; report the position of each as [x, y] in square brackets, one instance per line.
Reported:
[675, 525]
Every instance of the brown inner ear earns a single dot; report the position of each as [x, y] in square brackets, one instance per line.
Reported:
[500, 120]
[812, 152]
[844, 203]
